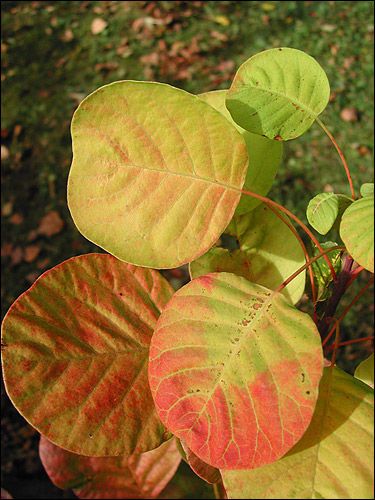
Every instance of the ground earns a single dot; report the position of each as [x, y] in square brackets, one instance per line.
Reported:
[55, 53]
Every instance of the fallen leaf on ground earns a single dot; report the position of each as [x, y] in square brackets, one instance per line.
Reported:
[98, 25]
[31, 253]
[349, 115]
[16, 219]
[50, 224]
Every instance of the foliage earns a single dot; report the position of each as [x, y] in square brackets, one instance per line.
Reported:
[233, 366]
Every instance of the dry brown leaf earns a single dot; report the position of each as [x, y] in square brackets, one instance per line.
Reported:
[98, 25]
[16, 219]
[31, 253]
[349, 115]
[50, 224]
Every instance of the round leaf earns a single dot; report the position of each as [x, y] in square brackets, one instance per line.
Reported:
[278, 93]
[334, 459]
[357, 231]
[234, 371]
[367, 189]
[272, 251]
[139, 476]
[152, 180]
[324, 208]
[264, 156]
[365, 371]
[75, 351]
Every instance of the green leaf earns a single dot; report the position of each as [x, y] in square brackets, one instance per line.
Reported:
[334, 459]
[357, 231]
[365, 371]
[264, 156]
[138, 476]
[271, 250]
[234, 371]
[156, 173]
[222, 260]
[322, 272]
[278, 93]
[75, 353]
[205, 471]
[324, 209]
[367, 189]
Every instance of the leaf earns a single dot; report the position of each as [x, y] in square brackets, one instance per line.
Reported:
[322, 272]
[324, 209]
[205, 471]
[98, 25]
[50, 224]
[367, 189]
[365, 371]
[75, 355]
[138, 476]
[264, 155]
[222, 260]
[234, 371]
[332, 460]
[152, 180]
[278, 93]
[273, 252]
[357, 231]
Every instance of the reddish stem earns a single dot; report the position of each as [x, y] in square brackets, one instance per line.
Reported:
[336, 343]
[354, 274]
[268, 201]
[347, 309]
[308, 264]
[304, 249]
[341, 154]
[348, 342]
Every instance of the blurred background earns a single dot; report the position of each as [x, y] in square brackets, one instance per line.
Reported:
[55, 53]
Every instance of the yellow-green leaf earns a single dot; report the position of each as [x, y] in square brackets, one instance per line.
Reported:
[357, 231]
[334, 459]
[324, 208]
[365, 371]
[264, 155]
[156, 173]
[278, 93]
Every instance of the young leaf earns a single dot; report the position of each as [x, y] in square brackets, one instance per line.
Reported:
[334, 458]
[324, 208]
[204, 471]
[234, 371]
[357, 231]
[152, 180]
[75, 355]
[367, 189]
[273, 252]
[365, 371]
[264, 156]
[278, 93]
[322, 273]
[138, 476]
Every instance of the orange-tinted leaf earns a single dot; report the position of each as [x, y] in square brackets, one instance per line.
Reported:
[75, 355]
[138, 476]
[234, 371]
[50, 224]
[205, 471]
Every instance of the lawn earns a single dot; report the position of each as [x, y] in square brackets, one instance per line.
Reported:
[56, 53]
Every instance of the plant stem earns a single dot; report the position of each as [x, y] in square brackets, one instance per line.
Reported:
[308, 264]
[340, 285]
[348, 342]
[268, 201]
[347, 309]
[341, 154]
[304, 249]
[215, 487]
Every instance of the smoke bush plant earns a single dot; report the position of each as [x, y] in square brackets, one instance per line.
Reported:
[122, 377]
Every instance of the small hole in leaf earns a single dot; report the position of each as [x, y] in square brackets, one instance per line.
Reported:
[307, 392]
